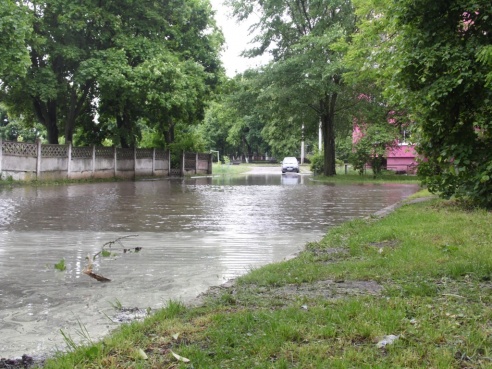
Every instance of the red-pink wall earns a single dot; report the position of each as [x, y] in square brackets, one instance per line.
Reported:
[402, 158]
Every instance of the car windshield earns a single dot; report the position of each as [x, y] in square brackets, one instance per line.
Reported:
[290, 161]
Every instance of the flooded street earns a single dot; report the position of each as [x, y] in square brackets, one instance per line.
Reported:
[194, 233]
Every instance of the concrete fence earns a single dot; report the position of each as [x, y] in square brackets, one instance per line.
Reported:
[35, 161]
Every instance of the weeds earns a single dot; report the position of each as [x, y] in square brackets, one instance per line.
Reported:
[61, 265]
[82, 332]
[116, 305]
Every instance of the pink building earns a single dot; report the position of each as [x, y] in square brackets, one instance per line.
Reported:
[402, 158]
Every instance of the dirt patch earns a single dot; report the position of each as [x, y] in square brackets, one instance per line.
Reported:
[331, 253]
[328, 289]
[280, 296]
[389, 244]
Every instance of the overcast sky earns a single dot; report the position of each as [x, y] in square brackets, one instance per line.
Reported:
[237, 39]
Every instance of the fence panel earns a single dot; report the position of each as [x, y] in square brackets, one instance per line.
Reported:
[81, 153]
[20, 149]
[20, 160]
[190, 161]
[104, 152]
[54, 151]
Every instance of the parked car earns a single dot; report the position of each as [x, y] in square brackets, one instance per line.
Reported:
[290, 164]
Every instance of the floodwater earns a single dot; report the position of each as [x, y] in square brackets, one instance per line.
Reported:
[194, 233]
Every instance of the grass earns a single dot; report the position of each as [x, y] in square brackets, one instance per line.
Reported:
[230, 169]
[422, 274]
[354, 176]
[9, 182]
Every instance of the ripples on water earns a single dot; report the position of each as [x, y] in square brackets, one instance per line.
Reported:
[194, 234]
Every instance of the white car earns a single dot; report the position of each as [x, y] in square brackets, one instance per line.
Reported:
[290, 164]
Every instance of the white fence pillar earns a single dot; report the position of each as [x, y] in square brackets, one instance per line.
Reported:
[69, 162]
[135, 162]
[93, 160]
[169, 163]
[153, 161]
[1, 150]
[115, 156]
[38, 159]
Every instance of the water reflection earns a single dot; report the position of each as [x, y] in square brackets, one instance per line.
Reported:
[195, 233]
[292, 179]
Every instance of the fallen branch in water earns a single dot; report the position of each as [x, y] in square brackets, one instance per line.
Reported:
[88, 271]
[134, 249]
[110, 243]
[118, 240]
[98, 277]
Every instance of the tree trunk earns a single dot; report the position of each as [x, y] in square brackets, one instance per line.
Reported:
[328, 132]
[52, 130]
[169, 134]
[125, 128]
[75, 107]
[46, 114]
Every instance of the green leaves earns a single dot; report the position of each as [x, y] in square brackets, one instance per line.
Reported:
[15, 30]
[301, 86]
[484, 56]
[144, 62]
[433, 61]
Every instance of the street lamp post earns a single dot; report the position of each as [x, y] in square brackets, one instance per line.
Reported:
[302, 144]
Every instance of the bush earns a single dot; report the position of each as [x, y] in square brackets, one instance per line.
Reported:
[317, 163]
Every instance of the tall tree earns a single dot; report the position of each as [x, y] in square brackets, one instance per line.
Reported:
[91, 51]
[435, 60]
[302, 37]
[247, 122]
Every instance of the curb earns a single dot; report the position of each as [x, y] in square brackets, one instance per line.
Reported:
[389, 209]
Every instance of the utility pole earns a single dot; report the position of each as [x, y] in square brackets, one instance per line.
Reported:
[302, 144]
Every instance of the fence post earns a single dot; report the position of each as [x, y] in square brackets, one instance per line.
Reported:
[210, 163]
[169, 163]
[115, 161]
[38, 159]
[196, 163]
[69, 163]
[134, 162]
[1, 155]
[153, 161]
[93, 160]
[183, 164]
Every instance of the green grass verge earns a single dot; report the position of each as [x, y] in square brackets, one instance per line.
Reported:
[230, 169]
[422, 274]
[354, 176]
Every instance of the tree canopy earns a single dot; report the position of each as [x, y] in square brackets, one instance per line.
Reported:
[302, 37]
[432, 59]
[119, 62]
[15, 28]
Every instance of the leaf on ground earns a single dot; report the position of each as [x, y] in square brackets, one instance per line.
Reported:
[180, 358]
[141, 354]
[175, 336]
[387, 340]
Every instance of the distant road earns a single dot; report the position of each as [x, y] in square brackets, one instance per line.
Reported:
[269, 169]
